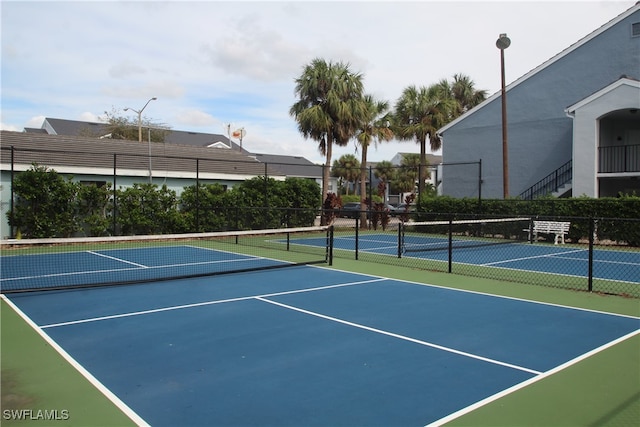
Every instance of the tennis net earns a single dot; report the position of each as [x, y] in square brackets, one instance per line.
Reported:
[46, 264]
[459, 234]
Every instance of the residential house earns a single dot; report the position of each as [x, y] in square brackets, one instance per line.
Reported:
[434, 174]
[122, 163]
[573, 126]
[53, 126]
[295, 167]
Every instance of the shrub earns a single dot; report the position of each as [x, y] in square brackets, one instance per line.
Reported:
[45, 204]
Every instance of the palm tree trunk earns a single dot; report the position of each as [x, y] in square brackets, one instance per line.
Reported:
[363, 188]
[423, 167]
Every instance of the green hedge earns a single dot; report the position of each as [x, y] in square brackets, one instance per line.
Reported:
[47, 204]
[579, 210]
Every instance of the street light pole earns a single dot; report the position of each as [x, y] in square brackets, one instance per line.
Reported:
[140, 131]
[140, 116]
[502, 43]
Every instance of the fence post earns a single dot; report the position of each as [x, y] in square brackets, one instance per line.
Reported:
[591, 233]
[330, 246]
[357, 234]
[115, 195]
[197, 195]
[480, 186]
[450, 244]
[400, 238]
[266, 198]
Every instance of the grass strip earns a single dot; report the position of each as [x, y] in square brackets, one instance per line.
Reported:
[40, 387]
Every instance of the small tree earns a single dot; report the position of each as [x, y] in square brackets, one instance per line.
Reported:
[45, 204]
[95, 206]
[260, 199]
[385, 171]
[121, 127]
[304, 199]
[347, 168]
[208, 207]
[149, 209]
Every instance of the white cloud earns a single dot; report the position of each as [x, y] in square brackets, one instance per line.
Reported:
[35, 122]
[215, 62]
[255, 53]
[14, 128]
[125, 69]
[197, 118]
[160, 89]
[91, 117]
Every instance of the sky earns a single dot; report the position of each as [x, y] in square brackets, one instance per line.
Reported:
[215, 65]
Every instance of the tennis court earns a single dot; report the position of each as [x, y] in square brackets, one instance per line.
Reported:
[302, 345]
[609, 264]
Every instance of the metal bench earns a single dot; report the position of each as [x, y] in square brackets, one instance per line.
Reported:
[557, 228]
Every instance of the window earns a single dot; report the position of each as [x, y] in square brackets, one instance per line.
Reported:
[98, 184]
[635, 29]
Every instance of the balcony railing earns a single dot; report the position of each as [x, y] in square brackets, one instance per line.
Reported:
[619, 158]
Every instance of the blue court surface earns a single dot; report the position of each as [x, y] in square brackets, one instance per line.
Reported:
[91, 267]
[623, 266]
[311, 346]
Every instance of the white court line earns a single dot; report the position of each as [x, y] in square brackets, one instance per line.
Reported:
[402, 337]
[530, 381]
[533, 257]
[117, 259]
[115, 270]
[601, 261]
[78, 367]
[200, 304]
[367, 250]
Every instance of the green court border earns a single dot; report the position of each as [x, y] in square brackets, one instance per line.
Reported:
[36, 377]
[603, 389]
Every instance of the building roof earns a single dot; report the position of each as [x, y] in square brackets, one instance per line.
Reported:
[56, 126]
[80, 152]
[623, 81]
[432, 159]
[292, 166]
[544, 65]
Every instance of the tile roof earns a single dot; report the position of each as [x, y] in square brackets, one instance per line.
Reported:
[87, 152]
[293, 166]
[80, 128]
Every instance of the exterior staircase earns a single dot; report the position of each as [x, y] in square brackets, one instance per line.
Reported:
[556, 184]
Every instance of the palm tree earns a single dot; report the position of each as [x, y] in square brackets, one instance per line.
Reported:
[419, 113]
[347, 168]
[374, 128]
[329, 107]
[466, 95]
[385, 171]
[463, 92]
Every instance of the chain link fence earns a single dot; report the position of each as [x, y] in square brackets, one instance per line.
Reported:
[600, 255]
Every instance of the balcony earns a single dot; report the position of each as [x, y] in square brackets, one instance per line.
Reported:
[619, 159]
